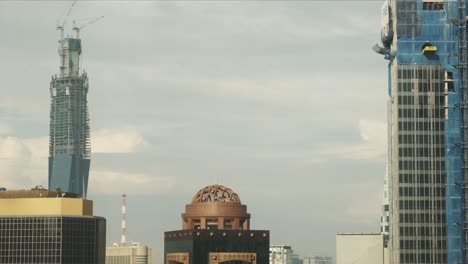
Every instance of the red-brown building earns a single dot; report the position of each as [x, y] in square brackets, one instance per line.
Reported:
[216, 229]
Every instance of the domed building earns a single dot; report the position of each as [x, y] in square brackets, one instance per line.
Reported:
[216, 229]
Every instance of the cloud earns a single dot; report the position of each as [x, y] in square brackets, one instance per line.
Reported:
[112, 182]
[23, 161]
[121, 141]
[373, 145]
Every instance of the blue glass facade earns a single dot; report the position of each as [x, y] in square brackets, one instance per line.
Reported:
[425, 41]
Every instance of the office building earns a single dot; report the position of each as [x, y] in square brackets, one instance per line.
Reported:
[281, 254]
[360, 248]
[425, 43]
[69, 138]
[216, 229]
[41, 226]
[134, 253]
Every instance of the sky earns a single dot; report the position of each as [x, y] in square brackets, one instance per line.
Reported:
[282, 101]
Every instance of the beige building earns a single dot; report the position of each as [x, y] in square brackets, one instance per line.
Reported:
[360, 249]
[41, 226]
[280, 254]
[130, 254]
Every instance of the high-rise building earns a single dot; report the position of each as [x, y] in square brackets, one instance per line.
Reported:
[69, 139]
[134, 253]
[41, 226]
[280, 254]
[425, 42]
[216, 229]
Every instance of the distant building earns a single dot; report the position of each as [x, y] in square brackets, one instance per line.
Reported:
[41, 226]
[216, 229]
[296, 259]
[360, 248]
[319, 260]
[281, 255]
[129, 254]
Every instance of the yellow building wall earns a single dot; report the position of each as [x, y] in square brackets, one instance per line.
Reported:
[46, 206]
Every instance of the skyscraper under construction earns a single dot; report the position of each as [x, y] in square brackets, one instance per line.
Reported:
[69, 143]
[425, 43]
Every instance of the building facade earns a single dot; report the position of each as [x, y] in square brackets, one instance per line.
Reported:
[320, 260]
[360, 248]
[69, 138]
[216, 229]
[425, 42]
[134, 253]
[39, 226]
[281, 254]
[296, 259]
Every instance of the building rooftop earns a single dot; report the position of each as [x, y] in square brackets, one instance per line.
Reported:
[42, 202]
[34, 193]
[216, 193]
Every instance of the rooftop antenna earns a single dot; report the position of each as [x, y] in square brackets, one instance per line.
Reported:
[123, 241]
[60, 26]
[77, 28]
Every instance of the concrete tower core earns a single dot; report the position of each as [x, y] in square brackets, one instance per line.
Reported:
[69, 139]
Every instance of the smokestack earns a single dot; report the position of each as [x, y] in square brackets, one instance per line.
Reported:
[123, 242]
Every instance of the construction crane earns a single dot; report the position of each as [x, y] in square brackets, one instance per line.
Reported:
[63, 21]
[77, 28]
[60, 26]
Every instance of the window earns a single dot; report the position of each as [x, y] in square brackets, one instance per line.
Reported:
[433, 5]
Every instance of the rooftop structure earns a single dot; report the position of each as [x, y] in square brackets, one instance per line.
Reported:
[123, 240]
[216, 207]
[216, 229]
[43, 202]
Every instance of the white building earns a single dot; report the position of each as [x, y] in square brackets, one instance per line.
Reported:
[319, 260]
[360, 248]
[134, 253]
[281, 254]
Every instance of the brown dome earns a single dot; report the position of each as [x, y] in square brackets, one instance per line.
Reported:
[216, 207]
[216, 193]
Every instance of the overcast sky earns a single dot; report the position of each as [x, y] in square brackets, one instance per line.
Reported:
[282, 101]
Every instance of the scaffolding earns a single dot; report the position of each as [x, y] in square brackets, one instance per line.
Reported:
[427, 58]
